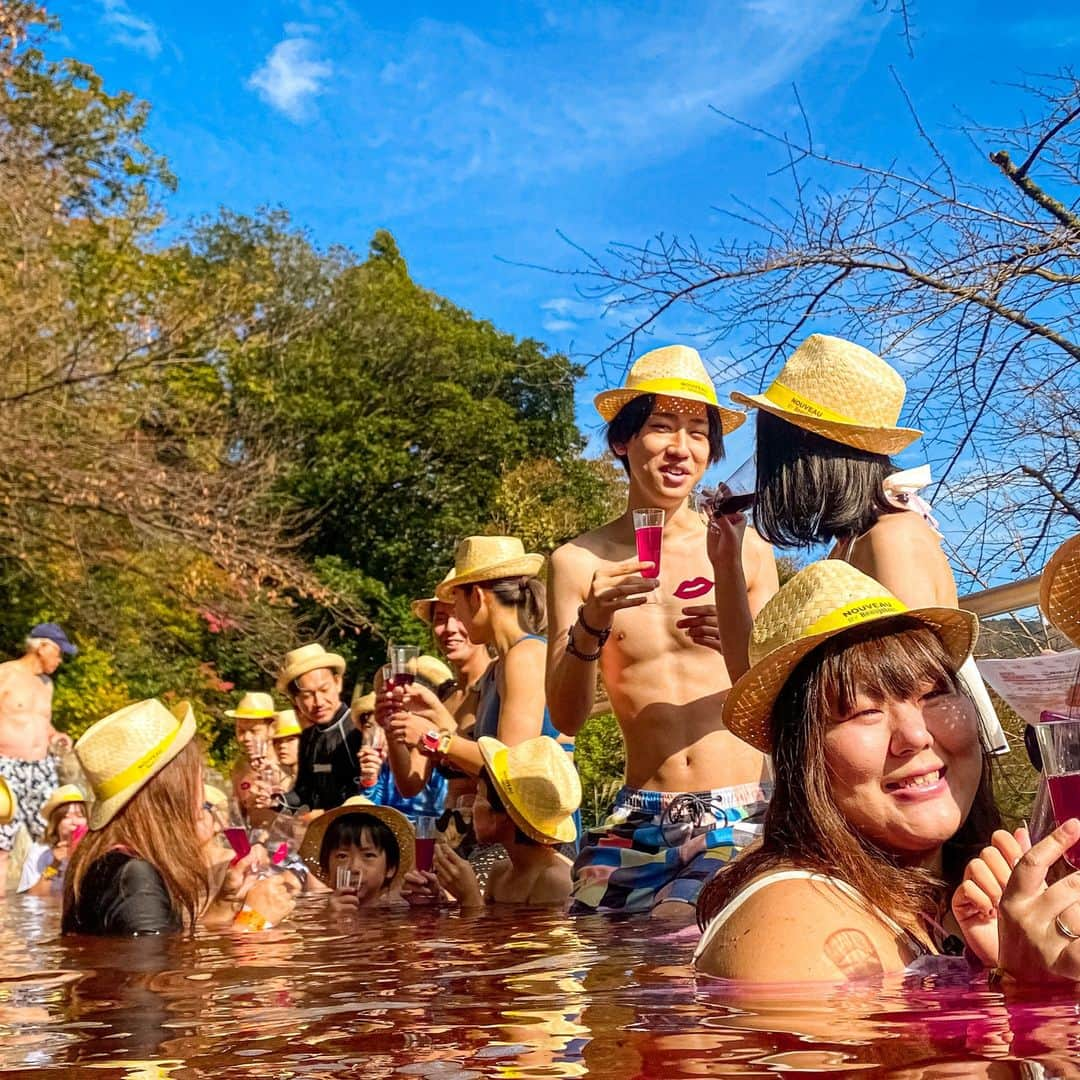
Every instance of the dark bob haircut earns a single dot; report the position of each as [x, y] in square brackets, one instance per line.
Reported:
[630, 419]
[351, 830]
[811, 490]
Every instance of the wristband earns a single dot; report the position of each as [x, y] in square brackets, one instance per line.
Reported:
[444, 742]
[247, 918]
[50, 872]
[600, 635]
[429, 742]
[573, 650]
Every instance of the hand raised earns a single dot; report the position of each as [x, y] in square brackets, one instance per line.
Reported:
[614, 587]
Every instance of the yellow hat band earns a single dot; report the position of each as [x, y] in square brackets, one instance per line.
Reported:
[873, 607]
[137, 770]
[251, 714]
[676, 388]
[783, 397]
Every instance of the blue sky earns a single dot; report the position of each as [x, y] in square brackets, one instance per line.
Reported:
[477, 132]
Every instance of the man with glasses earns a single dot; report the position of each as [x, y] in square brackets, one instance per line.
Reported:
[327, 772]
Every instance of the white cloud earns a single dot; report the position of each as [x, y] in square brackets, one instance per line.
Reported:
[291, 76]
[132, 31]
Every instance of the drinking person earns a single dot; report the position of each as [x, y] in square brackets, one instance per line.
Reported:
[359, 850]
[688, 781]
[882, 791]
[143, 868]
[64, 813]
[526, 800]
[27, 735]
[327, 773]
[257, 773]
[826, 428]
[500, 602]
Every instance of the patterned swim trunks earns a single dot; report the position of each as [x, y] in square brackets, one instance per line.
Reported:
[32, 782]
[657, 846]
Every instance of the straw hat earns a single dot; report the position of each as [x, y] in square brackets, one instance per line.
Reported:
[675, 371]
[487, 558]
[9, 805]
[394, 820]
[424, 608]
[819, 602]
[362, 703]
[62, 796]
[253, 706]
[307, 658]
[1059, 590]
[120, 753]
[538, 784]
[285, 724]
[841, 391]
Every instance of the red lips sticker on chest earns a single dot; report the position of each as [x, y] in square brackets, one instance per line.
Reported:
[692, 588]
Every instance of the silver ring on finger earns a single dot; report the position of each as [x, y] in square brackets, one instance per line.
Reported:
[1064, 930]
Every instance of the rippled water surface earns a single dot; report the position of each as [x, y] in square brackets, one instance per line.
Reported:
[527, 995]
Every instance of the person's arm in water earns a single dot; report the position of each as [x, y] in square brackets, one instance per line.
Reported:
[578, 580]
[521, 699]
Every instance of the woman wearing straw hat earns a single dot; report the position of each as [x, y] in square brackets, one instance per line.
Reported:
[142, 869]
[826, 429]
[526, 800]
[501, 602]
[882, 790]
[64, 813]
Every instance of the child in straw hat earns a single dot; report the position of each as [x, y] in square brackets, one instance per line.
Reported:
[882, 797]
[655, 639]
[65, 819]
[827, 428]
[526, 799]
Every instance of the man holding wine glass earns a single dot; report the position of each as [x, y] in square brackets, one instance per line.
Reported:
[648, 627]
[327, 772]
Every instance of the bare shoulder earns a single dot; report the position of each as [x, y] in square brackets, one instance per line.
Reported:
[801, 930]
[500, 872]
[526, 653]
[905, 527]
[553, 885]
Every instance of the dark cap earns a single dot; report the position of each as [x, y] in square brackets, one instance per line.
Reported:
[51, 632]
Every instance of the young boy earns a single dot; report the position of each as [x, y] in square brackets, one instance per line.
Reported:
[359, 850]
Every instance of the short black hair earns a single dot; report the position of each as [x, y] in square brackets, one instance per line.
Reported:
[499, 807]
[351, 830]
[811, 490]
[630, 419]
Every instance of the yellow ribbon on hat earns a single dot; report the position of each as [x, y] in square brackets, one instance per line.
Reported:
[873, 607]
[785, 398]
[675, 387]
[135, 771]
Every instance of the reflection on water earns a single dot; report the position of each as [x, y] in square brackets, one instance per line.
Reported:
[455, 998]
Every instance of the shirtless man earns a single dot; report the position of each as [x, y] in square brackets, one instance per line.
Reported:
[26, 731]
[657, 644]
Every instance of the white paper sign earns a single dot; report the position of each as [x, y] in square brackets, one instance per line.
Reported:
[1030, 684]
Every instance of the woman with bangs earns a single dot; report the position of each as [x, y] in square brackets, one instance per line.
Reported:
[827, 428]
[882, 793]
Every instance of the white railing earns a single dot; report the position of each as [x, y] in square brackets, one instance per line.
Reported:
[1002, 599]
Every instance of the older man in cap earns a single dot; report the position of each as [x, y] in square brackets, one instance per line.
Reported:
[328, 771]
[26, 730]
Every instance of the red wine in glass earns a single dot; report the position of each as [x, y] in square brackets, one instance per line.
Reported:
[425, 852]
[649, 539]
[1065, 799]
[723, 504]
[401, 678]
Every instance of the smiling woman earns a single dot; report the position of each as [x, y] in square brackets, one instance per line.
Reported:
[882, 789]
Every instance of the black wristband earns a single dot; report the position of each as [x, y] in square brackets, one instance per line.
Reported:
[600, 635]
[573, 650]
